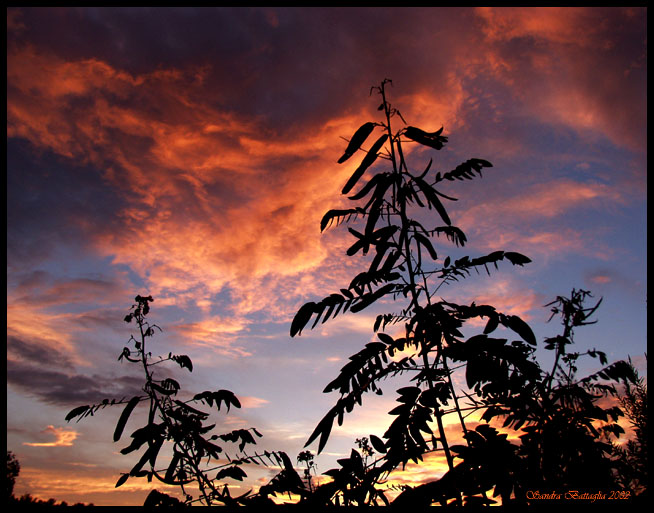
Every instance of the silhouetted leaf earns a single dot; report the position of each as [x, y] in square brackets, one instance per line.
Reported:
[124, 416]
[516, 258]
[424, 241]
[377, 444]
[492, 324]
[520, 327]
[227, 397]
[205, 396]
[408, 394]
[465, 171]
[473, 372]
[323, 429]
[372, 183]
[137, 469]
[453, 234]
[387, 339]
[357, 140]
[77, 411]
[302, 318]
[235, 472]
[373, 215]
[168, 386]
[365, 164]
[183, 361]
[362, 243]
[142, 435]
[367, 299]
[432, 139]
[331, 214]
[121, 480]
[169, 478]
[432, 199]
[190, 409]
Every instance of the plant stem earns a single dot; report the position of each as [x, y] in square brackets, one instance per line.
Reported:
[411, 273]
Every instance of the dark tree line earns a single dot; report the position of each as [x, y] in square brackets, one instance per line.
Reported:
[26, 500]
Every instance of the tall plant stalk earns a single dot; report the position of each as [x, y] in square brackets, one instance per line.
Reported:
[405, 267]
[198, 455]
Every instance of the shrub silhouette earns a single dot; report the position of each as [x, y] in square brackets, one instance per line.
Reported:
[632, 457]
[13, 469]
[26, 500]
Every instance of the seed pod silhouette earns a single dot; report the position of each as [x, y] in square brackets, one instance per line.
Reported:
[357, 140]
[365, 164]
[432, 139]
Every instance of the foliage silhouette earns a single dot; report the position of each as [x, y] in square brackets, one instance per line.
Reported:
[307, 458]
[196, 452]
[503, 377]
[13, 469]
[632, 457]
[566, 430]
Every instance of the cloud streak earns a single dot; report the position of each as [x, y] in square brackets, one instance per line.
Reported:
[63, 437]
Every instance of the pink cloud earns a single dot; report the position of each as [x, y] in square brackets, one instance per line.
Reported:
[572, 68]
[173, 153]
[253, 402]
[529, 221]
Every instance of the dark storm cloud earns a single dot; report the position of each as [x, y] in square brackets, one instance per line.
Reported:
[24, 350]
[55, 386]
[46, 371]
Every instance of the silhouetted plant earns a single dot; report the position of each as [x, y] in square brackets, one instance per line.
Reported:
[13, 469]
[406, 265]
[26, 500]
[564, 443]
[632, 456]
[196, 452]
[503, 377]
[306, 458]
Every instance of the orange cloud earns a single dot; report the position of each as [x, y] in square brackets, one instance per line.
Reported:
[543, 201]
[171, 155]
[63, 438]
[42, 330]
[494, 224]
[253, 402]
[213, 333]
[553, 24]
[570, 69]
[507, 298]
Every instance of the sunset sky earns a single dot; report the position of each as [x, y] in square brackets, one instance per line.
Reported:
[191, 153]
